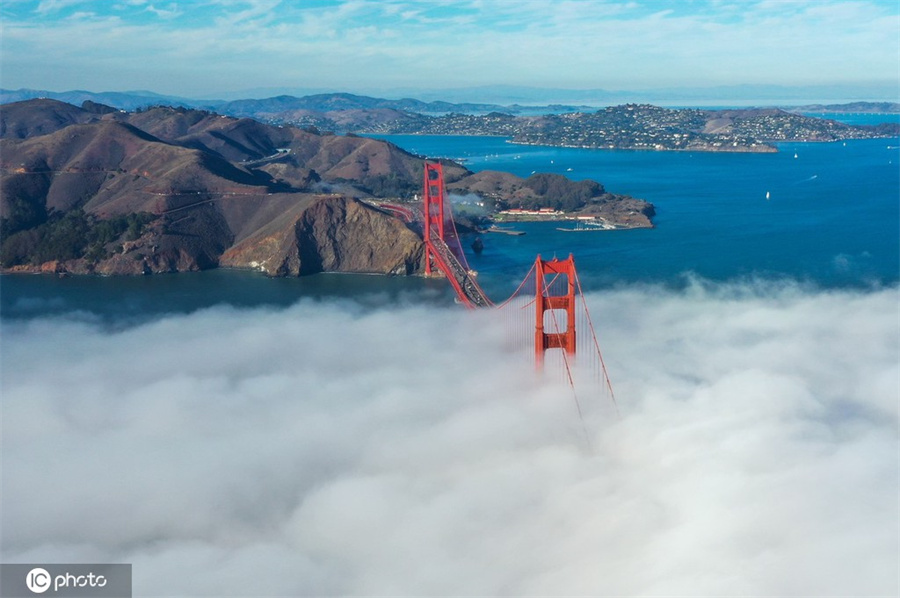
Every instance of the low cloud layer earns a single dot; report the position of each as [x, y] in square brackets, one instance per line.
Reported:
[330, 449]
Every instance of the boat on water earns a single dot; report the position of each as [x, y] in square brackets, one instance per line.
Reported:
[504, 231]
[588, 225]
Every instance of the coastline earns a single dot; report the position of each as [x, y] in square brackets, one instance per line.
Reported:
[741, 149]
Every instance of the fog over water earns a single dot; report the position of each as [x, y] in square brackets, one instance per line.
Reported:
[328, 448]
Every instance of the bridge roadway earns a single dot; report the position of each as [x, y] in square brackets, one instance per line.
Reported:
[465, 284]
[453, 268]
[277, 155]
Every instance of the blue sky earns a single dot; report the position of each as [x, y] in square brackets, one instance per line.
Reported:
[205, 48]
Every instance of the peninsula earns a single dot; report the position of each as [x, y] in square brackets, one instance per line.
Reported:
[644, 127]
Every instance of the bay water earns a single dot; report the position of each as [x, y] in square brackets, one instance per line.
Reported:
[823, 214]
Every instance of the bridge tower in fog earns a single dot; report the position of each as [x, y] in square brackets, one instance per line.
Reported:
[554, 307]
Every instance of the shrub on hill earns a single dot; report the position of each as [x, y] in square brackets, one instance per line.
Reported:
[558, 192]
[70, 236]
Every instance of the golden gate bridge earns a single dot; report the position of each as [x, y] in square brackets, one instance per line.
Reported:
[547, 309]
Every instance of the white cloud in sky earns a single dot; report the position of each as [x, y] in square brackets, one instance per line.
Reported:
[49, 6]
[330, 449]
[171, 11]
[356, 44]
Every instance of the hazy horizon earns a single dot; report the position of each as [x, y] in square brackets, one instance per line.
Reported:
[513, 96]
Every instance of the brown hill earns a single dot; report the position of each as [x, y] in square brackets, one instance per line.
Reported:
[30, 118]
[238, 140]
[360, 165]
[356, 165]
[170, 189]
[343, 120]
[337, 157]
[112, 168]
[325, 233]
[202, 209]
[364, 120]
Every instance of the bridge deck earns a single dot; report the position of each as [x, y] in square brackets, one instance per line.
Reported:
[462, 280]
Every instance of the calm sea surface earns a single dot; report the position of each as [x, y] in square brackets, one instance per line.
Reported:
[832, 220]
[831, 217]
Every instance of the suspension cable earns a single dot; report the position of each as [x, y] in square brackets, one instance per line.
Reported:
[516, 292]
[597, 345]
[568, 370]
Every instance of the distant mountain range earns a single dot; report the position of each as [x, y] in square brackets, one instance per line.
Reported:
[581, 126]
[345, 101]
[327, 102]
[503, 99]
[724, 95]
[124, 100]
[853, 107]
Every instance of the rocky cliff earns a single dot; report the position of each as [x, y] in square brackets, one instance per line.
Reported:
[331, 234]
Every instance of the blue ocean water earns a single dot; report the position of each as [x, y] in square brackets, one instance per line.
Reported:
[831, 220]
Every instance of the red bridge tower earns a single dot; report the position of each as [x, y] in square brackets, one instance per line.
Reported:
[434, 211]
[563, 335]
